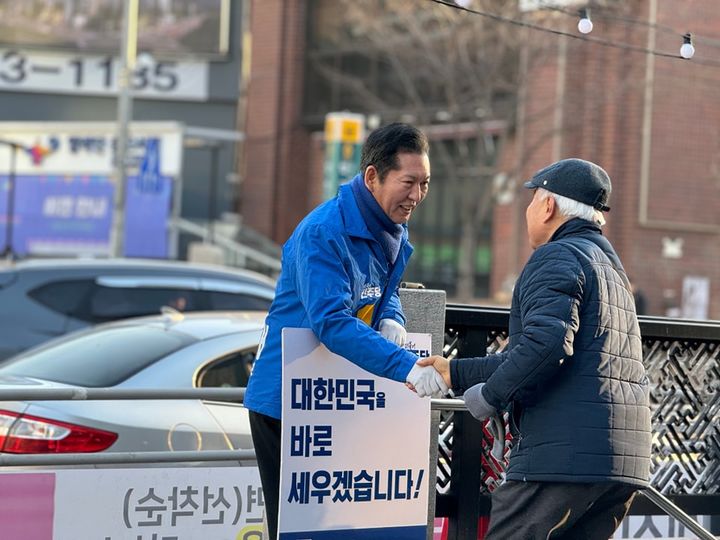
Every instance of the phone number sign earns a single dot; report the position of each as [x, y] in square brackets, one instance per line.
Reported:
[98, 75]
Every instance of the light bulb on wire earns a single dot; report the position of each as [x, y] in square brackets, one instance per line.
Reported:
[585, 25]
[687, 50]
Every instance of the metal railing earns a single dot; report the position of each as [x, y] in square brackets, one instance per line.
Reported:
[682, 359]
[652, 494]
[236, 254]
[683, 363]
[114, 458]
[237, 394]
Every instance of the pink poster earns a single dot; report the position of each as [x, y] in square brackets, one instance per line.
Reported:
[26, 506]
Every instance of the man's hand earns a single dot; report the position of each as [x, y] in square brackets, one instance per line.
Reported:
[441, 365]
[476, 403]
[393, 331]
[426, 382]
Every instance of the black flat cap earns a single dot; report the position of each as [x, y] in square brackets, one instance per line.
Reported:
[575, 179]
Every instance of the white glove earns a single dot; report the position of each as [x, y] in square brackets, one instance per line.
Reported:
[427, 381]
[393, 331]
[444, 390]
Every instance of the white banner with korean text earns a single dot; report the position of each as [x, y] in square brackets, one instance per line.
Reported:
[355, 448]
[188, 503]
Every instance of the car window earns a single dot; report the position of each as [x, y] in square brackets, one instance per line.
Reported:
[100, 357]
[111, 303]
[227, 301]
[62, 296]
[232, 370]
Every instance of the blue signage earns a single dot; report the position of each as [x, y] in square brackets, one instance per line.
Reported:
[72, 214]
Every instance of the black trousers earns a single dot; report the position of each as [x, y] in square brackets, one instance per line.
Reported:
[558, 510]
[266, 432]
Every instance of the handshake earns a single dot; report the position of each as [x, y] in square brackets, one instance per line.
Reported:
[430, 377]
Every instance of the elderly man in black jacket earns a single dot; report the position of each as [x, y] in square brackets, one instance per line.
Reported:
[572, 374]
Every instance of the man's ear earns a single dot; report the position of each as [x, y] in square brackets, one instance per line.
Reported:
[550, 208]
[371, 178]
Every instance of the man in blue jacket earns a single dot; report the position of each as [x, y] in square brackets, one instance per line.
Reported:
[341, 269]
[572, 374]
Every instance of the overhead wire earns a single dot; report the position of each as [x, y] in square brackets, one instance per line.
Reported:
[584, 37]
[600, 13]
[597, 11]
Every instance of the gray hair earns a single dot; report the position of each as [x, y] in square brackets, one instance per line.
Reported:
[572, 208]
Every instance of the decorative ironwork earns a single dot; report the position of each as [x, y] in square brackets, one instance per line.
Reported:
[683, 364]
[685, 379]
[493, 470]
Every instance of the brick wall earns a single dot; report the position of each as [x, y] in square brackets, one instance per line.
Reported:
[597, 95]
[602, 102]
[275, 194]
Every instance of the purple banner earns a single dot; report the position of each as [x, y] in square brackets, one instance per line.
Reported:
[72, 214]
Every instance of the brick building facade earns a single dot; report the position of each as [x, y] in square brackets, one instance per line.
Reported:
[282, 159]
[653, 122]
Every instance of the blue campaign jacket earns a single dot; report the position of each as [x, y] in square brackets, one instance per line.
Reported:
[333, 275]
[573, 373]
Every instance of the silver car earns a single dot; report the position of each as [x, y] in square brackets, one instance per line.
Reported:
[43, 299]
[168, 351]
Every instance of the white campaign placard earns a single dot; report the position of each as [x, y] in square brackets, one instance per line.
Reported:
[355, 447]
[187, 503]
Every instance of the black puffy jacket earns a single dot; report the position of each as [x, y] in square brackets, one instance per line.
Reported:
[572, 373]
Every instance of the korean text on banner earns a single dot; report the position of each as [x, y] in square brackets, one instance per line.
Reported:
[355, 447]
[188, 503]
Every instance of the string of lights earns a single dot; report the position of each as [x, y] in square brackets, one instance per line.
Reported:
[603, 14]
[687, 38]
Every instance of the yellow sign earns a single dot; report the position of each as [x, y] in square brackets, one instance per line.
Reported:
[351, 130]
[345, 128]
[330, 128]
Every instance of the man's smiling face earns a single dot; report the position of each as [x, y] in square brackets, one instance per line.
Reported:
[403, 188]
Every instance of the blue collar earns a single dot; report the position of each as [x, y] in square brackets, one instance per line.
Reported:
[388, 233]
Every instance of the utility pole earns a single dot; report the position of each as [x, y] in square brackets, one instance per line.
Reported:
[128, 55]
[8, 251]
